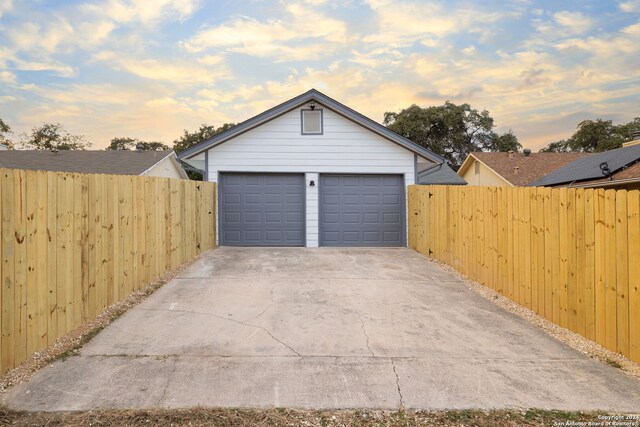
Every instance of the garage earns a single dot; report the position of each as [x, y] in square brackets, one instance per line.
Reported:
[258, 209]
[312, 172]
[362, 210]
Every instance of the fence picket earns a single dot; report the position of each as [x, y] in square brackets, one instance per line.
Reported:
[565, 253]
[71, 245]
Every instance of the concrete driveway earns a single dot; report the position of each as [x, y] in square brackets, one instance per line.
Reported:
[323, 328]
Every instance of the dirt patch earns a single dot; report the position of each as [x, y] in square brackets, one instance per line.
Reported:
[572, 339]
[70, 343]
[286, 417]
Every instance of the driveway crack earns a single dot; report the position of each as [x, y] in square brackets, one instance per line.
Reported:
[243, 323]
[166, 384]
[364, 331]
[398, 384]
[259, 314]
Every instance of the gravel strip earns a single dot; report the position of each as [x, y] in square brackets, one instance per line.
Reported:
[74, 340]
[288, 417]
[572, 339]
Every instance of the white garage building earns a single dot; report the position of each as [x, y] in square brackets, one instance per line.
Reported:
[311, 172]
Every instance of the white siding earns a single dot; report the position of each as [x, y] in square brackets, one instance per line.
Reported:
[279, 146]
[166, 168]
[312, 210]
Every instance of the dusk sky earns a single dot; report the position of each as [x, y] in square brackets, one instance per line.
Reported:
[151, 68]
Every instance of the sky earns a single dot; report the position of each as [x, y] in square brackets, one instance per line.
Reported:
[149, 69]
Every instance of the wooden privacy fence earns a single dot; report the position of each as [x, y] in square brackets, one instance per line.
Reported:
[571, 255]
[74, 244]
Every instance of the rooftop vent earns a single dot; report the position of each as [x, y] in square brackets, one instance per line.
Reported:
[510, 153]
[516, 170]
[526, 152]
[140, 147]
[604, 168]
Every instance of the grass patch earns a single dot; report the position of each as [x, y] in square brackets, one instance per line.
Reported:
[289, 417]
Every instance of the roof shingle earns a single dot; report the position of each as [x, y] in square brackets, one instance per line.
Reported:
[113, 162]
[520, 170]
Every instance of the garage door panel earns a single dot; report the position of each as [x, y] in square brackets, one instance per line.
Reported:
[231, 217]
[351, 200]
[390, 218]
[232, 199]
[252, 217]
[331, 199]
[391, 235]
[390, 199]
[371, 199]
[350, 218]
[371, 218]
[232, 235]
[262, 209]
[371, 181]
[351, 236]
[362, 210]
[371, 236]
[273, 217]
[294, 235]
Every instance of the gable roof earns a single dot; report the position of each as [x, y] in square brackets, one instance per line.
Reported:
[113, 162]
[588, 167]
[520, 170]
[440, 174]
[311, 95]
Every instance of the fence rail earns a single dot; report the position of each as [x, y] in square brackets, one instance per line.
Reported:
[571, 255]
[73, 244]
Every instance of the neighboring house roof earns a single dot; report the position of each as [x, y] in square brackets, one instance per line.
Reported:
[440, 174]
[113, 162]
[311, 95]
[518, 169]
[621, 163]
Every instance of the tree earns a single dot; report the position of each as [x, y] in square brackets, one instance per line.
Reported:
[595, 136]
[627, 129]
[505, 142]
[154, 146]
[122, 144]
[189, 139]
[4, 130]
[133, 143]
[52, 136]
[556, 147]
[450, 130]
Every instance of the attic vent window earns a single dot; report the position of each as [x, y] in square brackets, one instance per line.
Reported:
[311, 122]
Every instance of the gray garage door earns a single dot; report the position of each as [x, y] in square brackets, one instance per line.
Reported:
[362, 210]
[262, 209]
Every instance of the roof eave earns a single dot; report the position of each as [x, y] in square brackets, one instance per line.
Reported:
[611, 183]
[172, 154]
[491, 169]
[466, 164]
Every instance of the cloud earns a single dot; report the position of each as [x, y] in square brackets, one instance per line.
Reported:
[576, 22]
[154, 69]
[145, 12]
[5, 6]
[7, 77]
[631, 6]
[302, 33]
[409, 22]
[93, 95]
